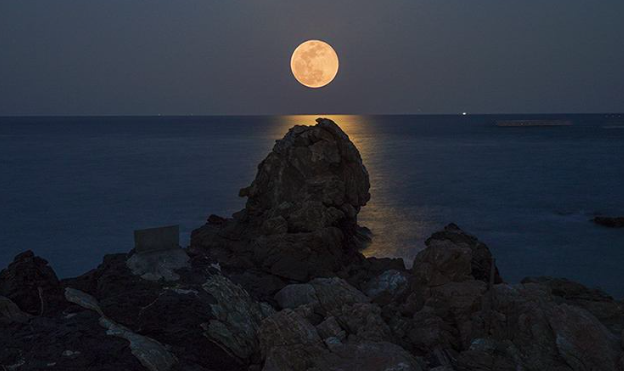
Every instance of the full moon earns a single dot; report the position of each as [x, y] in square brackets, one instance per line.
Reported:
[314, 63]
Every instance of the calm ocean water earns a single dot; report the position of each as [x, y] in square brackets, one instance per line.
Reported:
[73, 189]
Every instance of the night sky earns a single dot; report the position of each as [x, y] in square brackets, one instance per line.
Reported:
[170, 57]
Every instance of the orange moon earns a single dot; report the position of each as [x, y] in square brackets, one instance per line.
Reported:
[314, 63]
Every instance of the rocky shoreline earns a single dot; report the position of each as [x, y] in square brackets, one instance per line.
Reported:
[282, 286]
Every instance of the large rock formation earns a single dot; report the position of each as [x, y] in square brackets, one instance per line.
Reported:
[282, 287]
[300, 220]
[314, 178]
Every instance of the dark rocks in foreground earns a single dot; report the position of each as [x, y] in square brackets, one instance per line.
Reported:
[609, 222]
[281, 286]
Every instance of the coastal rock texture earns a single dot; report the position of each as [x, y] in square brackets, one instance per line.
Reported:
[300, 220]
[31, 284]
[281, 286]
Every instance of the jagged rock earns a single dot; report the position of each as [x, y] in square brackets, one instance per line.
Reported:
[10, 312]
[610, 222]
[425, 332]
[442, 263]
[609, 311]
[460, 298]
[582, 341]
[31, 284]
[295, 295]
[532, 331]
[300, 256]
[314, 178]
[158, 265]
[389, 283]
[339, 302]
[170, 313]
[300, 219]
[237, 317]
[290, 343]
[84, 300]
[370, 356]
[277, 225]
[330, 328]
[480, 257]
[41, 343]
[121, 294]
[150, 353]
[334, 293]
[364, 322]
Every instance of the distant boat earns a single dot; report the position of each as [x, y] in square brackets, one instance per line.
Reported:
[614, 126]
[531, 123]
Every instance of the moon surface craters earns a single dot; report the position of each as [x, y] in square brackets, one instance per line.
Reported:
[314, 63]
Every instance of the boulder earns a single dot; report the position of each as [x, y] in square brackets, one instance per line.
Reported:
[290, 343]
[151, 354]
[31, 284]
[158, 265]
[174, 313]
[74, 341]
[481, 259]
[441, 263]
[295, 295]
[529, 329]
[363, 322]
[10, 312]
[388, 283]
[334, 293]
[607, 310]
[582, 341]
[237, 317]
[330, 328]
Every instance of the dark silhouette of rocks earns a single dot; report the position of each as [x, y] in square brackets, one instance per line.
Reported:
[31, 284]
[300, 220]
[281, 286]
[609, 222]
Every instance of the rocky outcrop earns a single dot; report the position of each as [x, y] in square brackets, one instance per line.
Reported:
[152, 354]
[10, 312]
[606, 309]
[281, 286]
[313, 179]
[31, 284]
[481, 262]
[290, 343]
[237, 317]
[300, 220]
[139, 313]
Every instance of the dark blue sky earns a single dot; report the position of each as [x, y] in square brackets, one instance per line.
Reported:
[80, 57]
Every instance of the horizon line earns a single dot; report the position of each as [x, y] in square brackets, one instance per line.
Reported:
[617, 114]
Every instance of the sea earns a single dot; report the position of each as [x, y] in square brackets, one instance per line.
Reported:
[75, 188]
